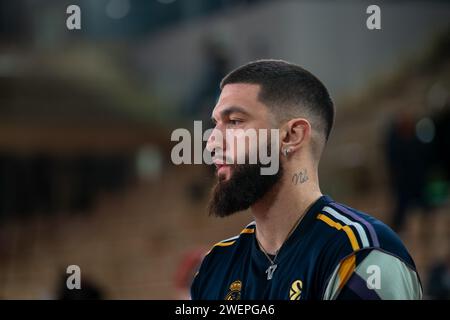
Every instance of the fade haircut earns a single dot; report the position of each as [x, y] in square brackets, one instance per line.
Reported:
[289, 91]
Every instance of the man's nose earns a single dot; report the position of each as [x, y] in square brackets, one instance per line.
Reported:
[215, 141]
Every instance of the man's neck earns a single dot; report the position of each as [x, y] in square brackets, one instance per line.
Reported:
[279, 211]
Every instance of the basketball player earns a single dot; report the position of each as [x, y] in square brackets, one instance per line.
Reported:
[302, 244]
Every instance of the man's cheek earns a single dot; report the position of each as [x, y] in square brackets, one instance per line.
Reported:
[242, 148]
[236, 150]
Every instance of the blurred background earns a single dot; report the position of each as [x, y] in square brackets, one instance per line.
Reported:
[86, 117]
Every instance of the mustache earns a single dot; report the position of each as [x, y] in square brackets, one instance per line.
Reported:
[221, 158]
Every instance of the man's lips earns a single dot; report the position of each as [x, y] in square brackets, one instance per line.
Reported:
[221, 165]
[222, 168]
[221, 162]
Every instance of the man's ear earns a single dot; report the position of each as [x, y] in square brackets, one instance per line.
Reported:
[295, 134]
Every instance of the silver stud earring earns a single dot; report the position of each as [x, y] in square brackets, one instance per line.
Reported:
[286, 151]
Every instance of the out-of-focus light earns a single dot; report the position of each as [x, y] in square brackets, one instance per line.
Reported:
[148, 163]
[117, 9]
[425, 130]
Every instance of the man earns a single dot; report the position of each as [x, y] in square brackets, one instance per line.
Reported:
[301, 244]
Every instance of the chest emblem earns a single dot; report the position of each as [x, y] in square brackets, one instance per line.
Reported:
[296, 290]
[235, 291]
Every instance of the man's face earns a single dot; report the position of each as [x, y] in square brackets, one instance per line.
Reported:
[238, 110]
[239, 186]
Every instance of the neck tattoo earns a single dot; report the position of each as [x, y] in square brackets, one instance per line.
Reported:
[300, 177]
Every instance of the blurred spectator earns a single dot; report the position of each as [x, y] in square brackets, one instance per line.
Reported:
[407, 160]
[443, 139]
[216, 62]
[439, 280]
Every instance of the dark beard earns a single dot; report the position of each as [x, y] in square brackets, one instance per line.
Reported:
[245, 186]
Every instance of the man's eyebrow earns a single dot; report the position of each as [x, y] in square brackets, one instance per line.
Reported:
[229, 110]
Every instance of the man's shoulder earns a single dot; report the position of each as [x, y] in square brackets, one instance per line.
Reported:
[223, 250]
[229, 245]
[355, 242]
[351, 230]
[219, 257]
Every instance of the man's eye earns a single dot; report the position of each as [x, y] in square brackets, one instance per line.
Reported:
[235, 122]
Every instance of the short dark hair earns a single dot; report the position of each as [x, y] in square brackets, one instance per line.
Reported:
[289, 89]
